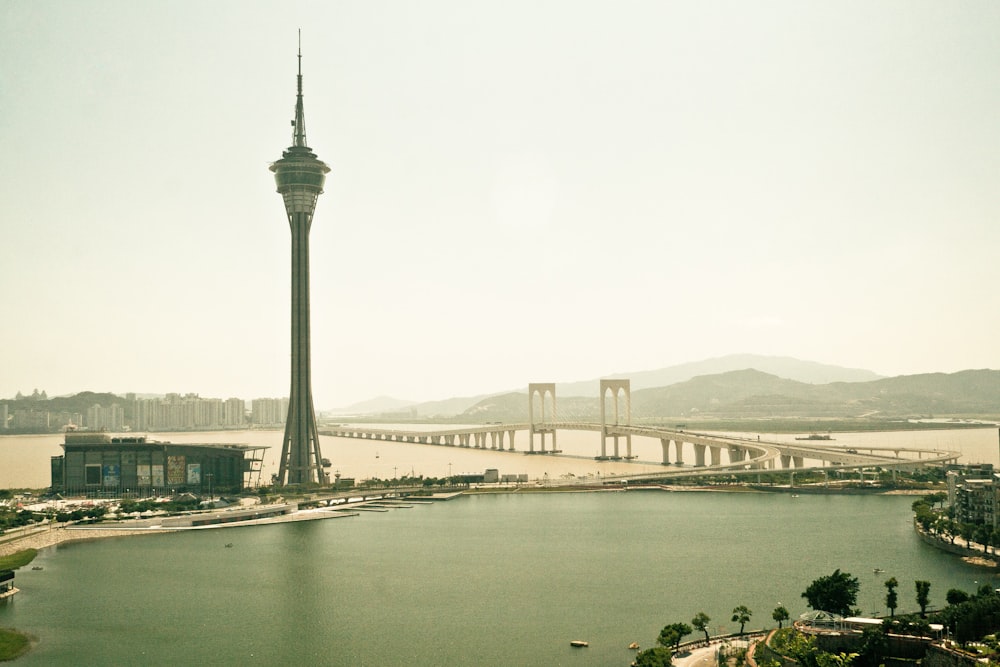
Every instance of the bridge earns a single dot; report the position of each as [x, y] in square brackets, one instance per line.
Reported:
[743, 454]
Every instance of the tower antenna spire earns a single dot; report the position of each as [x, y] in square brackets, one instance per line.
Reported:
[299, 135]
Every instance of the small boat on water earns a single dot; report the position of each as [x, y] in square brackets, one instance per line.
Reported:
[579, 643]
[634, 646]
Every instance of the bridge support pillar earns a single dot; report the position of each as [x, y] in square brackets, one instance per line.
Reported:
[678, 446]
[463, 439]
[716, 455]
[539, 426]
[736, 454]
[510, 435]
[699, 455]
[786, 460]
[620, 389]
[797, 461]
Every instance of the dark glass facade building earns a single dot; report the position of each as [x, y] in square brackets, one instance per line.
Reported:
[116, 466]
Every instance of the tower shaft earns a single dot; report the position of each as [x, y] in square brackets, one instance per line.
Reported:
[300, 176]
[301, 458]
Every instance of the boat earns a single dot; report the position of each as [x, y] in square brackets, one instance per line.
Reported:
[634, 646]
[816, 436]
[579, 643]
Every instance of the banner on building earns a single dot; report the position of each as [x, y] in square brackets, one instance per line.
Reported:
[175, 470]
[111, 475]
[194, 474]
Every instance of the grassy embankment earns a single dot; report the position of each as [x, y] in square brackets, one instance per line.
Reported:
[18, 559]
[13, 643]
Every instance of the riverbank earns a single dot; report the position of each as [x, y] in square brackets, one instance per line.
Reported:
[54, 535]
[61, 534]
[973, 555]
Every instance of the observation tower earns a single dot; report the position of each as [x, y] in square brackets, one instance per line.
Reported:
[300, 175]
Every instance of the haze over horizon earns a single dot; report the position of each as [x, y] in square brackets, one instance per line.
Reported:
[521, 192]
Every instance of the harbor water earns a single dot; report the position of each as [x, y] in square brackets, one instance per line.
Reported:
[479, 580]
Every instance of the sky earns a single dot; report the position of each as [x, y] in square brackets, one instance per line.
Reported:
[521, 191]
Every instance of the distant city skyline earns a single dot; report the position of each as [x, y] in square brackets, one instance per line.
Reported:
[519, 192]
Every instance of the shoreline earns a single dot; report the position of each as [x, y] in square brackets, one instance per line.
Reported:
[62, 534]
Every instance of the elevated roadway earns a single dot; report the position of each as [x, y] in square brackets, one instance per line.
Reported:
[744, 454]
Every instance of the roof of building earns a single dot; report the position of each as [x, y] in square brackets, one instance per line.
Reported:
[77, 439]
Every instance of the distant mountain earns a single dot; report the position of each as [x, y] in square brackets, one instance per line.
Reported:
[373, 405]
[750, 393]
[810, 372]
[785, 367]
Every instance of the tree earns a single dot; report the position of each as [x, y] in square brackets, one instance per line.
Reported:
[955, 596]
[653, 657]
[891, 597]
[841, 659]
[700, 623]
[741, 615]
[874, 646]
[936, 498]
[671, 635]
[923, 596]
[967, 531]
[835, 593]
[780, 614]
[982, 535]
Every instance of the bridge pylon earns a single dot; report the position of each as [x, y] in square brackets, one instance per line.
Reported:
[540, 426]
[620, 389]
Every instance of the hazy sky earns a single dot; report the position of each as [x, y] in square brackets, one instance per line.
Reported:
[520, 191]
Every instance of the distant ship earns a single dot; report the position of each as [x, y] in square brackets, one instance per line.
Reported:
[816, 436]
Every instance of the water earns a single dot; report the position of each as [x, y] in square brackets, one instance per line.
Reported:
[24, 460]
[481, 580]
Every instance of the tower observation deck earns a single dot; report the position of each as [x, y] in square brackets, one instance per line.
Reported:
[300, 176]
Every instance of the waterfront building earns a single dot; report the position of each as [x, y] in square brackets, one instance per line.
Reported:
[268, 411]
[105, 465]
[299, 176]
[4, 416]
[105, 419]
[974, 495]
[30, 419]
[234, 412]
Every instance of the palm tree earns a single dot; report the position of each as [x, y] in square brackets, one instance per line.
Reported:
[741, 615]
